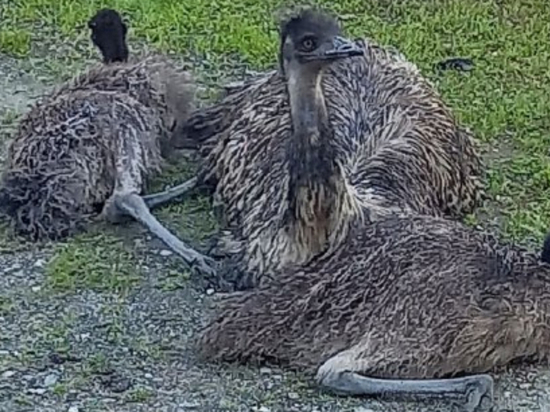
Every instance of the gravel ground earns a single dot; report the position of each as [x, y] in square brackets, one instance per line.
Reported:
[78, 336]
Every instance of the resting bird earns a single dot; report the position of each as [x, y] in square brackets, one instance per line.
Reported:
[406, 306]
[343, 134]
[91, 145]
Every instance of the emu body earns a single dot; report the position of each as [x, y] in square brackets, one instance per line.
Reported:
[91, 145]
[402, 302]
[386, 144]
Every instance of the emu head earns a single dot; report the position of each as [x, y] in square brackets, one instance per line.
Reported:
[109, 35]
[312, 40]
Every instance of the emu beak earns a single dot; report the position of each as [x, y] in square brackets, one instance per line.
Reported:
[342, 48]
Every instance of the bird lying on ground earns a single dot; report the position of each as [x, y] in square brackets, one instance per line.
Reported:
[90, 146]
[345, 133]
[406, 306]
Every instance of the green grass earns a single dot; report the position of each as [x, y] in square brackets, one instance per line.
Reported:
[15, 42]
[504, 100]
[99, 262]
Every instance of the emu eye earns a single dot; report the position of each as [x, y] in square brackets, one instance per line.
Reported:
[308, 44]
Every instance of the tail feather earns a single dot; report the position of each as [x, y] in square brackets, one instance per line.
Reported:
[42, 204]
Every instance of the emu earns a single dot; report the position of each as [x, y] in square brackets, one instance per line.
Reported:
[89, 147]
[343, 134]
[406, 306]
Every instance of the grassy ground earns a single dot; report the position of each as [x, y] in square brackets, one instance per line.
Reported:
[103, 321]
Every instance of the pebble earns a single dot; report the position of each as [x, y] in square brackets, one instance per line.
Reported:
[210, 291]
[36, 288]
[55, 358]
[39, 263]
[264, 409]
[37, 391]
[189, 405]
[73, 409]
[8, 374]
[51, 380]
[293, 395]
[148, 376]
[165, 252]
[120, 385]
[265, 371]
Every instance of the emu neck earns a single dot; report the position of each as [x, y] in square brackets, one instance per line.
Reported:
[313, 191]
[311, 157]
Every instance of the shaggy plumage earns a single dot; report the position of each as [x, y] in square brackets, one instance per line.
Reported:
[384, 142]
[91, 145]
[403, 298]
[100, 131]
[71, 154]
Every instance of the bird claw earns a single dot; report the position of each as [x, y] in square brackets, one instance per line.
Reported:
[480, 396]
[205, 266]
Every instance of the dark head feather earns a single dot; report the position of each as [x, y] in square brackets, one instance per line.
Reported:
[109, 35]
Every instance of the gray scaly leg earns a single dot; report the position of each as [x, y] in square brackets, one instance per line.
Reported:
[477, 390]
[133, 205]
[161, 198]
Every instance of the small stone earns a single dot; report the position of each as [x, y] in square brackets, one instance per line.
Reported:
[51, 380]
[189, 405]
[293, 395]
[38, 391]
[36, 288]
[264, 409]
[210, 291]
[73, 409]
[56, 359]
[265, 371]
[120, 385]
[165, 252]
[148, 376]
[8, 374]
[39, 263]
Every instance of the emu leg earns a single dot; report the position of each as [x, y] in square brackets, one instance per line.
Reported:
[338, 378]
[161, 198]
[136, 207]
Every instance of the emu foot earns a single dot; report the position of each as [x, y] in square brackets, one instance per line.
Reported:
[230, 277]
[479, 395]
[214, 249]
[234, 274]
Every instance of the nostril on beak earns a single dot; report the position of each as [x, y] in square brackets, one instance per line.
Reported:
[342, 44]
